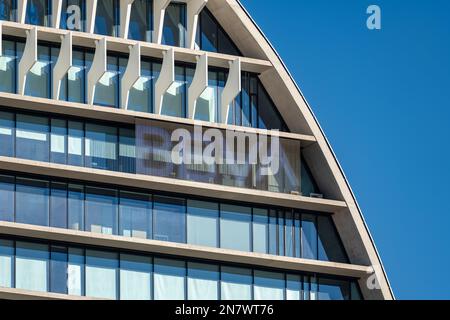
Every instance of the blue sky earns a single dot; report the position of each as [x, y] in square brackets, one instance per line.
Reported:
[383, 100]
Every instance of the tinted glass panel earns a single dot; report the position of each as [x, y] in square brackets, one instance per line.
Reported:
[141, 22]
[73, 13]
[135, 215]
[106, 19]
[38, 12]
[169, 219]
[174, 30]
[32, 202]
[202, 223]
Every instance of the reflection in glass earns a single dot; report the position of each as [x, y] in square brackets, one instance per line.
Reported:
[269, 285]
[101, 274]
[236, 284]
[135, 277]
[235, 227]
[38, 12]
[32, 202]
[169, 279]
[32, 263]
[141, 20]
[203, 281]
[107, 18]
[202, 223]
[174, 30]
[101, 210]
[8, 10]
[135, 215]
[169, 219]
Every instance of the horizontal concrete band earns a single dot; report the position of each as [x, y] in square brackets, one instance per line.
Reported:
[184, 251]
[16, 101]
[19, 294]
[162, 184]
[122, 45]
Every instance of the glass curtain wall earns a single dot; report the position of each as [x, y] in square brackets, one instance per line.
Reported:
[141, 21]
[39, 12]
[8, 10]
[174, 28]
[107, 18]
[137, 214]
[96, 273]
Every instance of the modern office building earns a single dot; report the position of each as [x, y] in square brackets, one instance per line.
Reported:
[93, 203]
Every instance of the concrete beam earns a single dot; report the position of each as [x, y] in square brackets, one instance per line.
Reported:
[232, 88]
[125, 13]
[194, 7]
[28, 60]
[131, 74]
[98, 68]
[165, 80]
[63, 64]
[199, 84]
[159, 11]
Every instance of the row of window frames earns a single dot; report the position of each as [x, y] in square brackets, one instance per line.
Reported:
[287, 233]
[301, 287]
[57, 129]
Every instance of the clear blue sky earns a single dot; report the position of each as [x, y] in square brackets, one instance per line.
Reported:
[383, 100]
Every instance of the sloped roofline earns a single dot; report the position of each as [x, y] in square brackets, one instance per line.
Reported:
[326, 139]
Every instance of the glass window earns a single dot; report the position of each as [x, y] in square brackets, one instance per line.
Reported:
[76, 272]
[107, 18]
[75, 207]
[308, 186]
[330, 289]
[101, 274]
[202, 223]
[6, 263]
[58, 269]
[32, 138]
[58, 205]
[107, 88]
[58, 141]
[73, 13]
[75, 144]
[127, 150]
[268, 116]
[135, 216]
[8, 9]
[260, 231]
[141, 21]
[7, 128]
[169, 279]
[355, 291]
[203, 281]
[269, 285]
[281, 251]
[236, 284]
[330, 245]
[169, 216]
[309, 237]
[293, 287]
[38, 13]
[101, 210]
[235, 228]
[32, 266]
[141, 94]
[208, 103]
[289, 234]
[32, 202]
[8, 65]
[38, 78]
[135, 277]
[101, 147]
[7, 190]
[273, 233]
[74, 83]
[174, 30]
[297, 234]
[174, 100]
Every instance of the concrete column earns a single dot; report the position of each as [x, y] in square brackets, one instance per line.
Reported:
[159, 11]
[91, 12]
[63, 64]
[232, 88]
[125, 13]
[98, 68]
[28, 60]
[194, 7]
[165, 80]
[21, 10]
[131, 74]
[56, 13]
[199, 84]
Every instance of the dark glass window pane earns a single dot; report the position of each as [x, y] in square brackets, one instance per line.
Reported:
[309, 237]
[140, 96]
[169, 216]
[208, 32]
[330, 289]
[58, 141]
[8, 61]
[73, 15]
[38, 12]
[308, 186]
[135, 216]
[58, 205]
[268, 116]
[127, 151]
[281, 239]
[7, 187]
[289, 234]
[174, 30]
[58, 269]
[75, 208]
[38, 78]
[75, 144]
[101, 147]
[107, 88]
[106, 19]
[174, 100]
[32, 138]
[101, 210]
[8, 9]
[226, 46]
[141, 23]
[32, 202]
[74, 83]
[7, 128]
[273, 232]
[330, 245]
[355, 291]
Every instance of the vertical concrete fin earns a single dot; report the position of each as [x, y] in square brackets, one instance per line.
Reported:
[91, 12]
[199, 84]
[29, 58]
[56, 13]
[131, 74]
[194, 7]
[165, 80]
[125, 13]
[232, 88]
[98, 68]
[63, 64]
[21, 10]
[159, 11]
